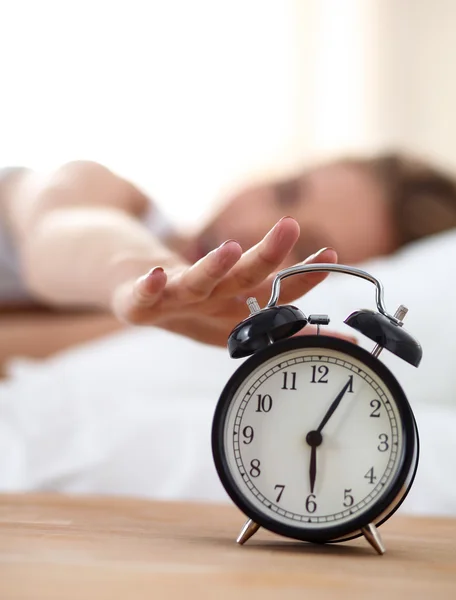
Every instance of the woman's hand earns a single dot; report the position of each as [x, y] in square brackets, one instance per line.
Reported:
[206, 300]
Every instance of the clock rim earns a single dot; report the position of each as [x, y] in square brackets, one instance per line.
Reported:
[406, 470]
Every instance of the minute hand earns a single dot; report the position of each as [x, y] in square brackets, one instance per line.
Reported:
[333, 406]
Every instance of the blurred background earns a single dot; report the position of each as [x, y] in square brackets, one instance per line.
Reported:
[191, 99]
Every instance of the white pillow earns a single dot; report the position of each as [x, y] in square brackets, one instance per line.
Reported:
[422, 277]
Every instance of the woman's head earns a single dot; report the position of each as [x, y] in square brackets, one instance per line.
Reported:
[422, 199]
[362, 207]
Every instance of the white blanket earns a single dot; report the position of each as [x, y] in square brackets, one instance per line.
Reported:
[131, 414]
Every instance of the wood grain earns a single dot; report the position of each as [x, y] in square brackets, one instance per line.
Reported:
[69, 548]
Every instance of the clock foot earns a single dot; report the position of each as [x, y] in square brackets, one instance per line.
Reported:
[373, 537]
[249, 529]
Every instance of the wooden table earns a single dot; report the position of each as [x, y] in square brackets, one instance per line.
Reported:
[55, 547]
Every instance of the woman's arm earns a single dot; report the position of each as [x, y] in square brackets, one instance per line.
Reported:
[81, 243]
[70, 225]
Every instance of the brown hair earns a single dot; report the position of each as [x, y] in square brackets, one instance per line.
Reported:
[423, 198]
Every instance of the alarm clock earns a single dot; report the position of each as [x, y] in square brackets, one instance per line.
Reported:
[313, 437]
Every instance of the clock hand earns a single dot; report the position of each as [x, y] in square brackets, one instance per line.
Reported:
[333, 406]
[314, 439]
[313, 468]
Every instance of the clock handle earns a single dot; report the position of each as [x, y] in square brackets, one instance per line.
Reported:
[332, 268]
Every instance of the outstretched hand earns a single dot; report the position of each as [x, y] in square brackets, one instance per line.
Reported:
[206, 300]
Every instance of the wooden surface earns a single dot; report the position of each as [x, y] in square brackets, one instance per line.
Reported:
[70, 548]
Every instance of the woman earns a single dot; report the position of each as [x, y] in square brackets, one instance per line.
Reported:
[132, 413]
[83, 236]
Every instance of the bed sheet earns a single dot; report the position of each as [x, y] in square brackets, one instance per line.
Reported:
[131, 414]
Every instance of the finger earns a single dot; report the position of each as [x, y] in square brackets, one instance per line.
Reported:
[147, 289]
[198, 281]
[132, 301]
[258, 262]
[298, 285]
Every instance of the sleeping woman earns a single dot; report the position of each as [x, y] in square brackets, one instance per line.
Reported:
[131, 414]
[84, 237]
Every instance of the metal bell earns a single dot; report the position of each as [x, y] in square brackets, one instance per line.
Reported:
[386, 334]
[263, 328]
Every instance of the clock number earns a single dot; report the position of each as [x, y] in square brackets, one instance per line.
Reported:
[285, 381]
[264, 403]
[375, 404]
[255, 467]
[279, 495]
[311, 505]
[247, 432]
[348, 498]
[370, 475]
[323, 371]
[383, 446]
[350, 385]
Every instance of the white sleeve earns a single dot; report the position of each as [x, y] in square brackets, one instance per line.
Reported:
[157, 223]
[12, 288]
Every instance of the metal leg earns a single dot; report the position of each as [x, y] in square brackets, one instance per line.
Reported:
[373, 537]
[249, 529]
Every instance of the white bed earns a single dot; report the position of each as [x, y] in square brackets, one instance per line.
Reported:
[131, 414]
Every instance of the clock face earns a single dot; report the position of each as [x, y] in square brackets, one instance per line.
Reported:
[313, 434]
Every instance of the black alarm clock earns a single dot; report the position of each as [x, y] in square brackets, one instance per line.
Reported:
[313, 437]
